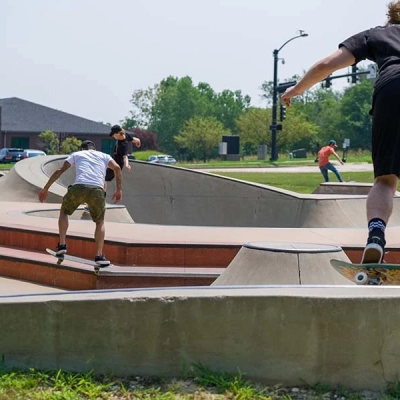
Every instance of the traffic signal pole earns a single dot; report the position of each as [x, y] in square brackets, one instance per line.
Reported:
[274, 127]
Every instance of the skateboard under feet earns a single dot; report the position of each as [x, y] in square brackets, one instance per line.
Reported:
[62, 257]
[369, 274]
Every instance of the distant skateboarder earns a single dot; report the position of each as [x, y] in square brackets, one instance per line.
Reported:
[323, 161]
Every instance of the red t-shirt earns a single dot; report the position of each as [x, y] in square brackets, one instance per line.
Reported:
[323, 155]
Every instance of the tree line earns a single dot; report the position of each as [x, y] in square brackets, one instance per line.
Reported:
[188, 120]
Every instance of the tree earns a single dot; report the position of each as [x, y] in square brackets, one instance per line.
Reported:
[297, 132]
[356, 123]
[70, 144]
[229, 106]
[177, 102]
[148, 139]
[51, 142]
[253, 129]
[201, 136]
[320, 107]
[129, 124]
[143, 101]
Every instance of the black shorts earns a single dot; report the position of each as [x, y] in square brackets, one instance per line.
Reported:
[386, 130]
[110, 173]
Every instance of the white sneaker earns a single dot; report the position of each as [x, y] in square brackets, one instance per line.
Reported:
[374, 251]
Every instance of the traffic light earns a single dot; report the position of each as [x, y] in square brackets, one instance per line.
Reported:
[354, 77]
[282, 112]
[328, 83]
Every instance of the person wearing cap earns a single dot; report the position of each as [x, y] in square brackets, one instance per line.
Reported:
[120, 152]
[323, 161]
[381, 45]
[88, 187]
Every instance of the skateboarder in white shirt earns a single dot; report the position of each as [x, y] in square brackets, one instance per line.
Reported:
[88, 187]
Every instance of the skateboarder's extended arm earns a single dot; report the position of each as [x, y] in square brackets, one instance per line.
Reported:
[56, 174]
[338, 158]
[117, 196]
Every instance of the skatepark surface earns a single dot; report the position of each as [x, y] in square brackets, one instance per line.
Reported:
[279, 285]
[174, 195]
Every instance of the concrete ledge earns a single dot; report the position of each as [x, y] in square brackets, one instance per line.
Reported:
[291, 335]
[350, 188]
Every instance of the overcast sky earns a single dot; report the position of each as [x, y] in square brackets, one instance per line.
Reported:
[87, 57]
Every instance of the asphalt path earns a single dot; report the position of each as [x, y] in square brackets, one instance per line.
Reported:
[347, 167]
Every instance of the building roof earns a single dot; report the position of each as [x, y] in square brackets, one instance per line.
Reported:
[19, 115]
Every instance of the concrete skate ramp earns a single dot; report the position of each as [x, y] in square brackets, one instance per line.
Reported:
[273, 263]
[114, 213]
[24, 181]
[158, 194]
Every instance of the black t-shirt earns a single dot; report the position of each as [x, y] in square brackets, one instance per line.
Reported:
[120, 150]
[381, 45]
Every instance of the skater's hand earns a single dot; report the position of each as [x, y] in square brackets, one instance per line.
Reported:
[128, 167]
[117, 196]
[137, 142]
[43, 195]
[289, 94]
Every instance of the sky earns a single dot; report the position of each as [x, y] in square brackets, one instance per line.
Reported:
[87, 57]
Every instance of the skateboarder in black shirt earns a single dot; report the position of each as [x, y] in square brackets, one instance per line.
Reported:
[120, 153]
[381, 45]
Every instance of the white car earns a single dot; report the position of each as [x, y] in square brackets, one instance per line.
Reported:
[161, 159]
[33, 153]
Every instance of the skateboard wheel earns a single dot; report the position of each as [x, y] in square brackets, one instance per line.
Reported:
[361, 278]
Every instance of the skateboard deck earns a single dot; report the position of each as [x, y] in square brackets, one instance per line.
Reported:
[62, 257]
[369, 274]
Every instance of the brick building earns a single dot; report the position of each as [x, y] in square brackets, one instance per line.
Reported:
[21, 123]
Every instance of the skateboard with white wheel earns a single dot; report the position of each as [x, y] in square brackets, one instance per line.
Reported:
[369, 274]
[62, 257]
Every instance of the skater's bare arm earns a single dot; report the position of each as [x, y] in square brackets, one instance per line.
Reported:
[338, 158]
[341, 58]
[56, 174]
[126, 163]
[117, 196]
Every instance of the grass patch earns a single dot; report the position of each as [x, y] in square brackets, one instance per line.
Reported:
[6, 166]
[203, 384]
[305, 182]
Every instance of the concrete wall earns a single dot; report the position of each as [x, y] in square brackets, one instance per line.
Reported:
[294, 336]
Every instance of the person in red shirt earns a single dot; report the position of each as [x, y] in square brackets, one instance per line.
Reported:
[382, 46]
[325, 165]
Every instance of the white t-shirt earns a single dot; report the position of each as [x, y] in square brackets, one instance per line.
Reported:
[90, 166]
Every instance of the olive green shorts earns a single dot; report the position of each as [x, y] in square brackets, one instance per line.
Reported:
[93, 196]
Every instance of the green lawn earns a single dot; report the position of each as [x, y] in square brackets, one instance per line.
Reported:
[296, 182]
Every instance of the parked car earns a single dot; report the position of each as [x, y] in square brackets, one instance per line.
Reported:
[33, 153]
[161, 159]
[11, 154]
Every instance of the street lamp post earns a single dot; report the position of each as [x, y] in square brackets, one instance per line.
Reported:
[274, 126]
